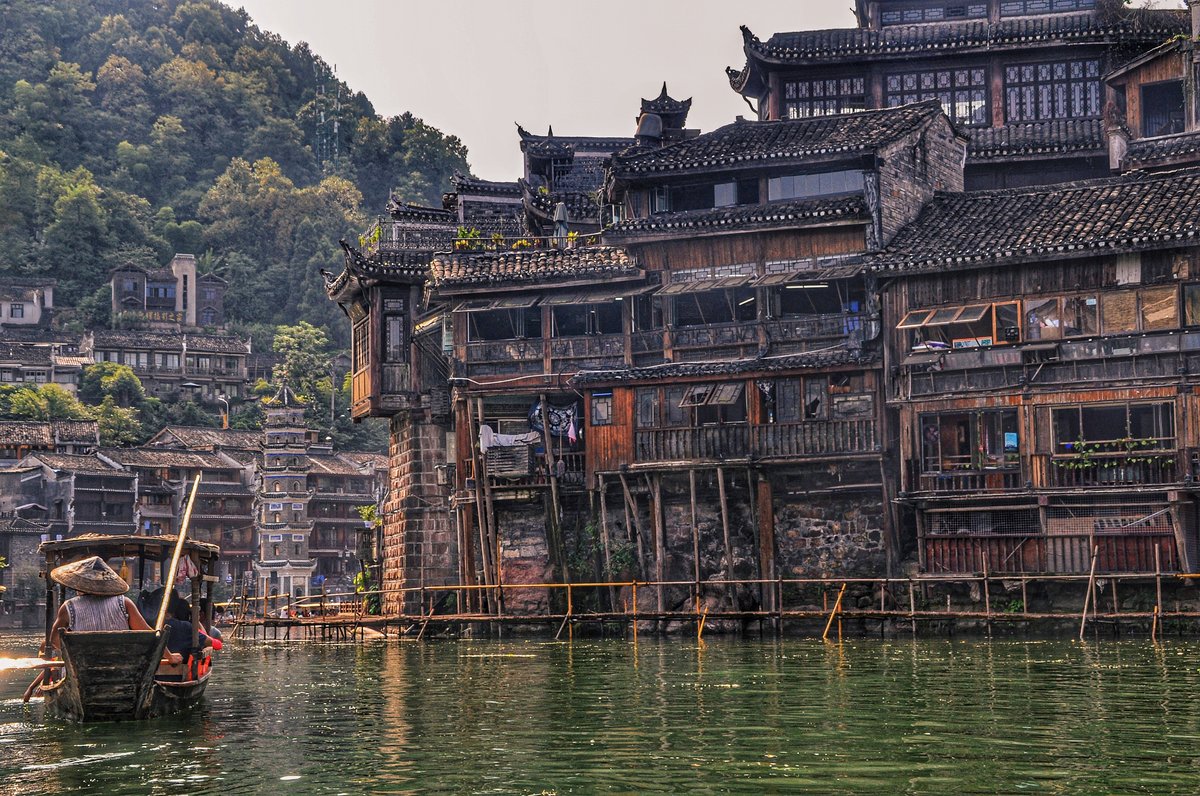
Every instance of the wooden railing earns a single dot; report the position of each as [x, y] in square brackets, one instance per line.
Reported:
[742, 440]
[987, 479]
[385, 235]
[1140, 468]
[1016, 553]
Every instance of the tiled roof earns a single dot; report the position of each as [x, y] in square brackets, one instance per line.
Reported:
[203, 438]
[551, 145]
[13, 525]
[1136, 210]
[909, 41]
[791, 214]
[334, 465]
[418, 214]
[24, 354]
[74, 463]
[580, 206]
[207, 343]
[38, 334]
[1056, 137]
[530, 266]
[746, 144]
[1162, 149]
[472, 185]
[166, 457]
[25, 432]
[681, 370]
[76, 431]
[377, 460]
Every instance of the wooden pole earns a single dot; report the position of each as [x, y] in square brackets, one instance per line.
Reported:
[1087, 595]
[557, 559]
[728, 545]
[632, 509]
[1157, 581]
[187, 519]
[837, 608]
[604, 540]
[485, 549]
[660, 552]
[493, 531]
[695, 531]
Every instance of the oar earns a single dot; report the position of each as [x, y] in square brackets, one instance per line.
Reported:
[187, 518]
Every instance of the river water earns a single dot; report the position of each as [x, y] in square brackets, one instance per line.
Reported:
[608, 716]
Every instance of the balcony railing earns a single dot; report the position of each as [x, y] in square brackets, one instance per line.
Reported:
[1049, 553]
[1148, 462]
[743, 440]
[986, 479]
[388, 235]
[570, 475]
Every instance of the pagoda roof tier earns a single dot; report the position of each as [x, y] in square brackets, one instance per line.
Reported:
[840, 357]
[744, 218]
[1052, 138]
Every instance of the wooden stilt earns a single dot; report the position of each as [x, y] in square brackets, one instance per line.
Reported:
[631, 504]
[485, 548]
[1088, 594]
[493, 531]
[732, 593]
[660, 554]
[607, 544]
[695, 530]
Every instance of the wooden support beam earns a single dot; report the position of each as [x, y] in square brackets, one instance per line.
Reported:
[632, 510]
[660, 546]
[607, 544]
[764, 505]
[695, 530]
[485, 548]
[728, 544]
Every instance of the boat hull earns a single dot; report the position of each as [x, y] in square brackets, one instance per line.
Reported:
[110, 676]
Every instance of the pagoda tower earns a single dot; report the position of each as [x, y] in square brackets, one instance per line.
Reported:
[281, 518]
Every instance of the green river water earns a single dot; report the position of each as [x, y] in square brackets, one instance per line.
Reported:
[662, 716]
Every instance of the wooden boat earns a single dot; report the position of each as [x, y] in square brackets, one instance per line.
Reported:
[121, 675]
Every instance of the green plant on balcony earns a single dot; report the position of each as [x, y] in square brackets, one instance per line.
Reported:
[1083, 455]
[522, 243]
[468, 239]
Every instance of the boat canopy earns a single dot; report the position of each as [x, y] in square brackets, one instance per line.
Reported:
[152, 548]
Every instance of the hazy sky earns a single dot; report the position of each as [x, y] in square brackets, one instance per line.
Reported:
[472, 68]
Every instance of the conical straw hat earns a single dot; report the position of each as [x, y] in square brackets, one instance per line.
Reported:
[90, 576]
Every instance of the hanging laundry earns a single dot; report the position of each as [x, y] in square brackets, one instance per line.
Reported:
[489, 439]
[564, 420]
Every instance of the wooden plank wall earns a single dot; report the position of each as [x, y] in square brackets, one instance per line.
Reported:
[608, 447]
[735, 249]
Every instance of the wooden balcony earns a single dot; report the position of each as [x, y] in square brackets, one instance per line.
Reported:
[768, 441]
[957, 554]
[1108, 469]
[988, 479]
[520, 470]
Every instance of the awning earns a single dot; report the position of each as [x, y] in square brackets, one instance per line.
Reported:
[506, 303]
[842, 271]
[156, 511]
[428, 324]
[704, 285]
[594, 296]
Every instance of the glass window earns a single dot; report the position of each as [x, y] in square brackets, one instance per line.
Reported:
[1081, 316]
[1020, 8]
[602, 409]
[815, 393]
[917, 318]
[1042, 319]
[803, 99]
[943, 316]
[16, 311]
[725, 194]
[962, 92]
[804, 186]
[1191, 305]
[1058, 90]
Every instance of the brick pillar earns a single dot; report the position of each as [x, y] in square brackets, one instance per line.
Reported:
[420, 543]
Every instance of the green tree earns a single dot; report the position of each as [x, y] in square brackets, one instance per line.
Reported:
[118, 426]
[305, 351]
[109, 379]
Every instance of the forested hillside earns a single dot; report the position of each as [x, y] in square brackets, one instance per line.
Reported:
[130, 130]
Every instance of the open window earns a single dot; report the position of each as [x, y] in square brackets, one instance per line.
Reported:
[1113, 428]
[1162, 108]
[987, 439]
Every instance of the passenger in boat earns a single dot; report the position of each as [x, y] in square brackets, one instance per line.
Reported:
[178, 624]
[100, 603]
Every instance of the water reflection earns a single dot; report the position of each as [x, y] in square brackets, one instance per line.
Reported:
[906, 716]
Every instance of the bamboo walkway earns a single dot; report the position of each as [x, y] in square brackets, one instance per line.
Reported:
[897, 604]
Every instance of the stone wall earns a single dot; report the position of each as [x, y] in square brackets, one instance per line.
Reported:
[524, 556]
[914, 168]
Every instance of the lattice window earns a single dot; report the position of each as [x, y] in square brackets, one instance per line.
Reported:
[803, 99]
[937, 13]
[962, 92]
[1020, 8]
[1057, 90]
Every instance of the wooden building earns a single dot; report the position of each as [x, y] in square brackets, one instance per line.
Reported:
[1041, 346]
[1024, 77]
[717, 352]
